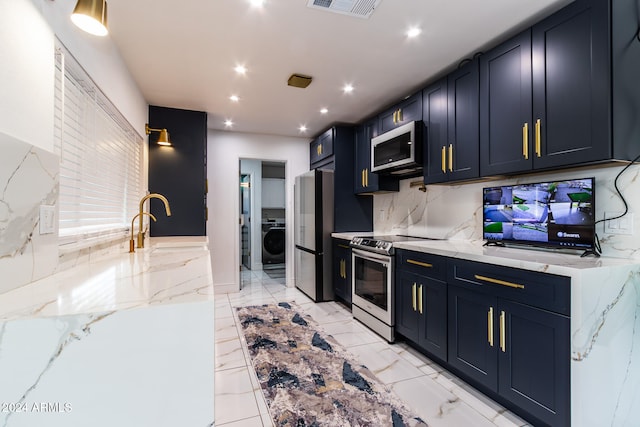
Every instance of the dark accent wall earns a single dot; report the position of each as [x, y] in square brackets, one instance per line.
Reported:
[178, 172]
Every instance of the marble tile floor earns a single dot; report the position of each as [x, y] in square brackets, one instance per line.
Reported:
[436, 395]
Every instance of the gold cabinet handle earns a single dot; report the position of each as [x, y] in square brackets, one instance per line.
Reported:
[525, 141]
[362, 178]
[421, 264]
[420, 299]
[320, 149]
[400, 115]
[499, 282]
[366, 177]
[490, 326]
[413, 296]
[538, 138]
[450, 157]
[344, 246]
[503, 339]
[444, 159]
[341, 275]
[395, 114]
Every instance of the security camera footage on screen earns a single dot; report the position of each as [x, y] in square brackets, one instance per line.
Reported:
[557, 213]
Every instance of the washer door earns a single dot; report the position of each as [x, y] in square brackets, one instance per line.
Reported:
[273, 241]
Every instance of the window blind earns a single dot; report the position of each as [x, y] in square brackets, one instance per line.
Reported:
[100, 156]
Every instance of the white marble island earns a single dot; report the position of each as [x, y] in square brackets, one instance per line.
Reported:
[125, 340]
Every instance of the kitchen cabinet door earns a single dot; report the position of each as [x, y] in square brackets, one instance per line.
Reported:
[367, 182]
[408, 110]
[421, 301]
[321, 148]
[451, 115]
[506, 107]
[473, 335]
[534, 361]
[342, 270]
[406, 305]
[571, 86]
[432, 307]
[435, 113]
[463, 122]
[273, 193]
[421, 312]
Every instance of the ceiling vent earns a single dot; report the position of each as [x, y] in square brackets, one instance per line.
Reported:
[298, 80]
[357, 8]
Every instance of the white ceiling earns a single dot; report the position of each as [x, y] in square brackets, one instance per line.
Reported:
[182, 54]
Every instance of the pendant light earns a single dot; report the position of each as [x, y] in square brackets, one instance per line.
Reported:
[91, 16]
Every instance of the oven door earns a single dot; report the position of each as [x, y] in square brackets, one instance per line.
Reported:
[372, 281]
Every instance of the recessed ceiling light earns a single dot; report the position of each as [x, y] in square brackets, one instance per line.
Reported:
[228, 123]
[234, 98]
[240, 69]
[302, 128]
[257, 3]
[348, 88]
[413, 32]
[323, 111]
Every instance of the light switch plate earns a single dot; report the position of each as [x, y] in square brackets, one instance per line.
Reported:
[47, 219]
[622, 225]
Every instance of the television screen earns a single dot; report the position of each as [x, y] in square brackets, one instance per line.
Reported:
[554, 213]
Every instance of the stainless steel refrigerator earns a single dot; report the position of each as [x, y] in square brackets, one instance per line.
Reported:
[313, 225]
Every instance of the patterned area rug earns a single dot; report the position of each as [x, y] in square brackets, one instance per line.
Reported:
[308, 379]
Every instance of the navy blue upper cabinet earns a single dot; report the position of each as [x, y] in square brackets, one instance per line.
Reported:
[571, 79]
[451, 115]
[321, 148]
[506, 109]
[365, 181]
[547, 96]
[334, 149]
[406, 111]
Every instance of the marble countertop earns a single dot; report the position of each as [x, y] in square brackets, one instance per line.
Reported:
[563, 262]
[123, 340]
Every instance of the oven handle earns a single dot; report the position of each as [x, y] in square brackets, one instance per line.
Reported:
[371, 256]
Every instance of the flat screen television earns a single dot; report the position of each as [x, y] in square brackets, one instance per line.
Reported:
[557, 214]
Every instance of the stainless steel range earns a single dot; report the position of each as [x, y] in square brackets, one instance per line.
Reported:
[372, 282]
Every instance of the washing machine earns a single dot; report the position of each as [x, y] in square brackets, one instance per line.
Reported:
[273, 243]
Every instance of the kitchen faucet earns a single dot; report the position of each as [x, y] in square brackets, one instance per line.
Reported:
[141, 214]
[131, 242]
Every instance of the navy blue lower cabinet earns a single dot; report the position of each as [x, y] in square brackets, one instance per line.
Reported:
[534, 361]
[407, 315]
[473, 335]
[342, 269]
[515, 350]
[421, 312]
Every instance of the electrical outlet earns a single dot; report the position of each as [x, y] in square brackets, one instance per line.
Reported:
[622, 225]
[47, 219]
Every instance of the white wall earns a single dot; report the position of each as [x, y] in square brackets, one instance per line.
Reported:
[27, 31]
[224, 151]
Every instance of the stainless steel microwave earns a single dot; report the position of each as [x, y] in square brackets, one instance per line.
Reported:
[399, 151]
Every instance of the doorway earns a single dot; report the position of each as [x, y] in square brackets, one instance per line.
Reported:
[263, 217]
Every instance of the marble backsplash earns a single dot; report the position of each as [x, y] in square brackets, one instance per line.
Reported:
[29, 179]
[455, 211]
